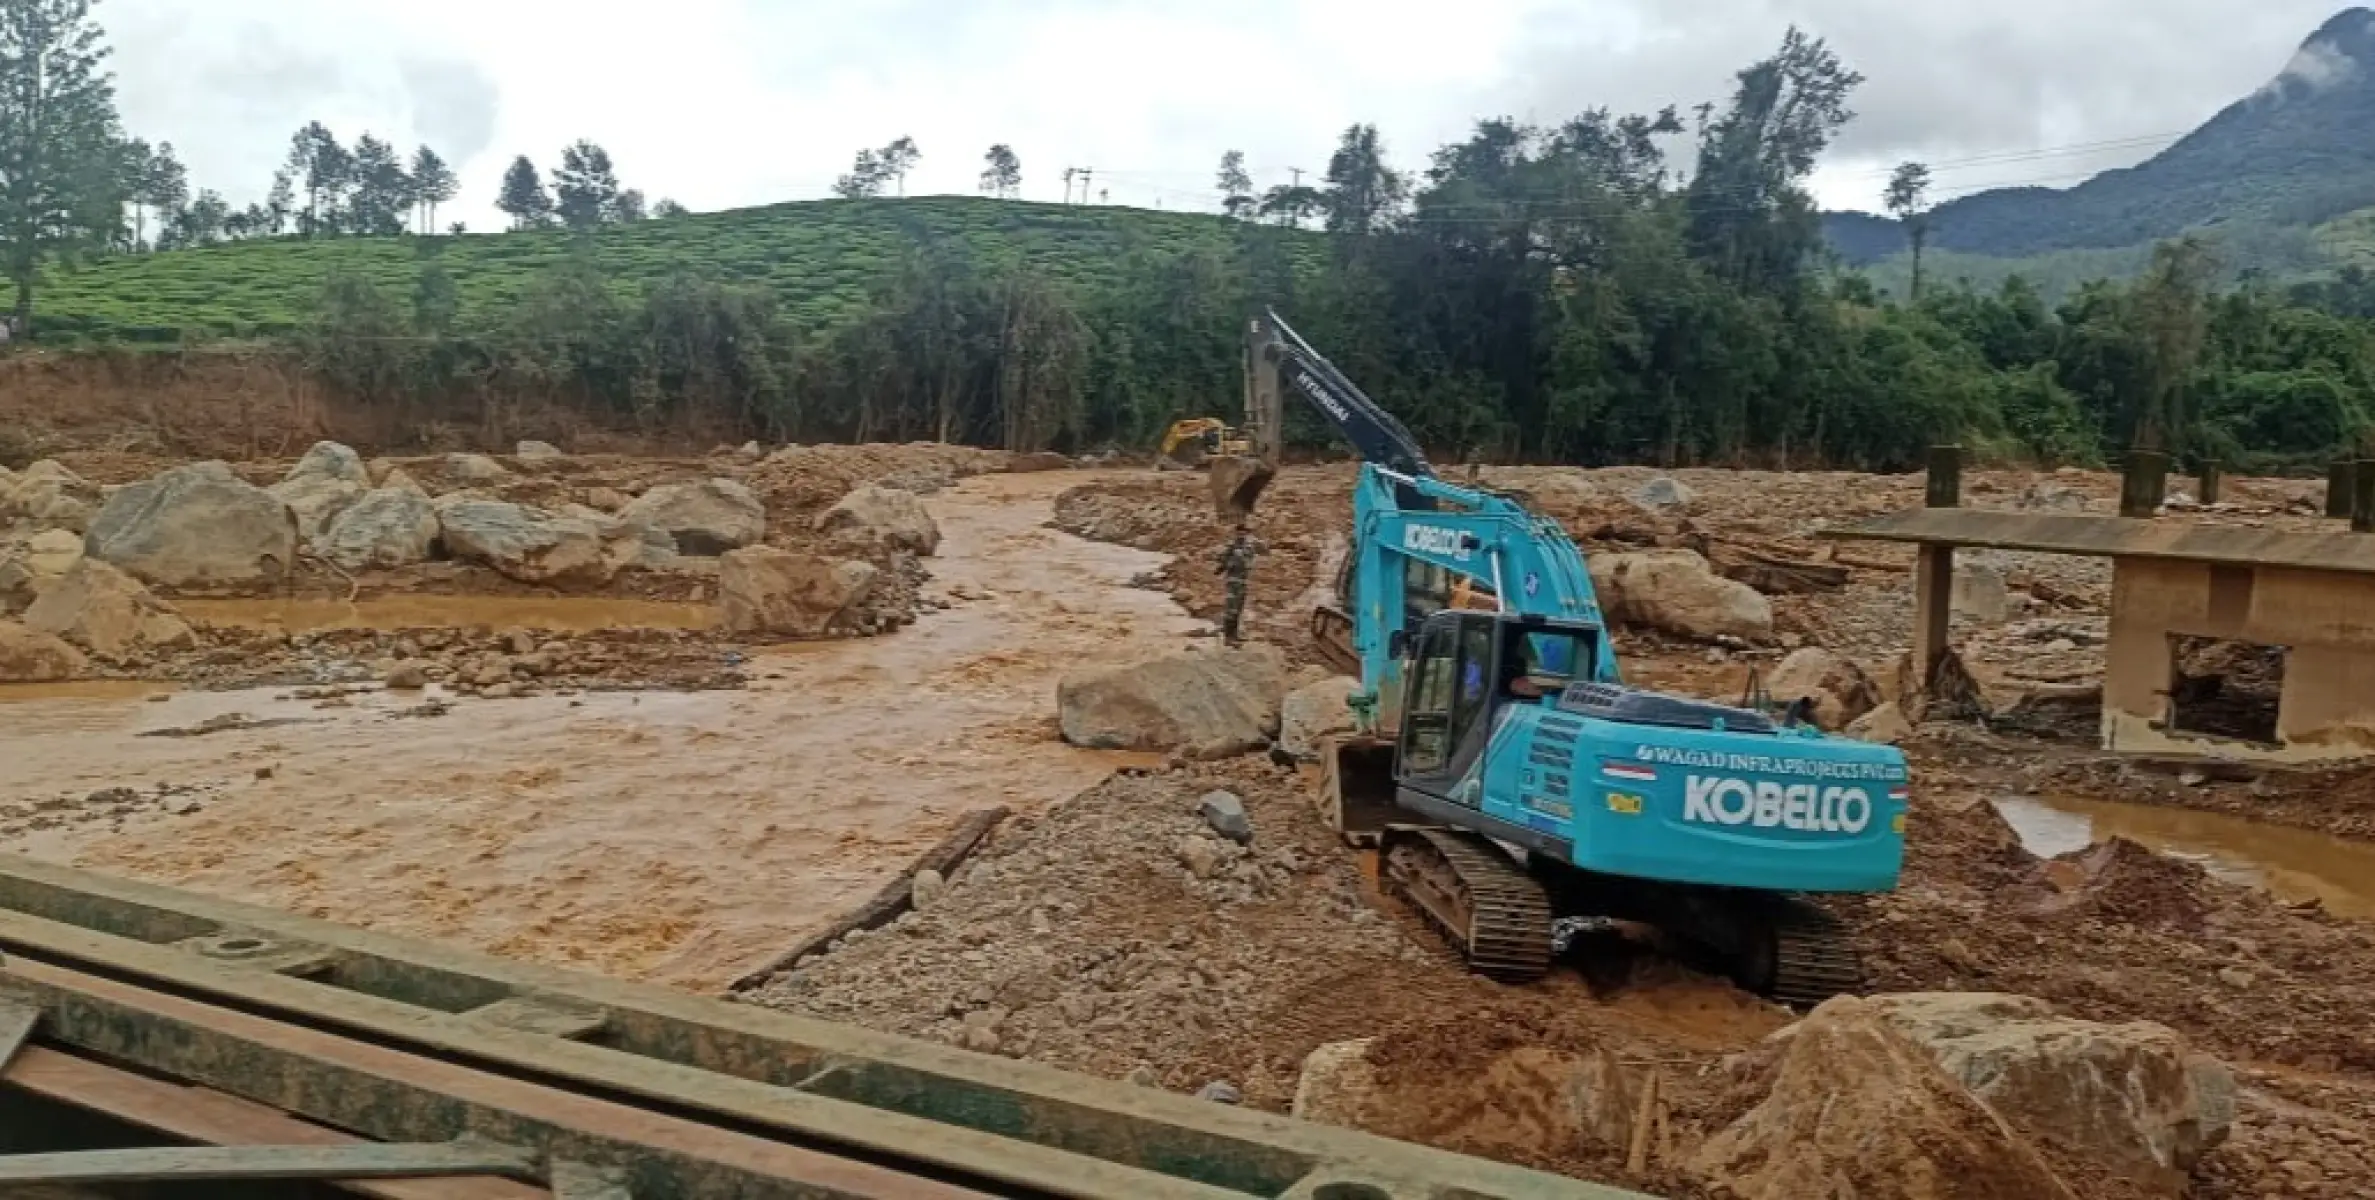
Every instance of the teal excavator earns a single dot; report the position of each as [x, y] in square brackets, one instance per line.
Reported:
[1508, 776]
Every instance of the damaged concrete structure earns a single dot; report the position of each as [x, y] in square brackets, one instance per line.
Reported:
[2225, 641]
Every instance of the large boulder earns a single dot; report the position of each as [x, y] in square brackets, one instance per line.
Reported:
[1886, 725]
[1676, 591]
[878, 518]
[529, 544]
[388, 528]
[28, 567]
[30, 656]
[322, 484]
[705, 518]
[1841, 691]
[2134, 1096]
[762, 589]
[48, 496]
[1212, 703]
[1853, 1108]
[1512, 1100]
[195, 526]
[1313, 712]
[107, 612]
[532, 451]
[1664, 494]
[476, 470]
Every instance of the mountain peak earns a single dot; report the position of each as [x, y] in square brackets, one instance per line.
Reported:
[2342, 49]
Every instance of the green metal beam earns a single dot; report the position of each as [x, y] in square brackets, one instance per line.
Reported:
[16, 1025]
[1025, 1125]
[189, 1164]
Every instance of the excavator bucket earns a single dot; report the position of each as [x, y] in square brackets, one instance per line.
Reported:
[1237, 484]
[1356, 788]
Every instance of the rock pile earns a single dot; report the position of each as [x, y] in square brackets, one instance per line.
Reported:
[47, 496]
[1851, 1107]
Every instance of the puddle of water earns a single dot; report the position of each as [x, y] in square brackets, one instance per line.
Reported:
[2293, 864]
[91, 706]
[559, 614]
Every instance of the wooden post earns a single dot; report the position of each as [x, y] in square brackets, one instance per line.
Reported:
[1946, 477]
[2341, 487]
[1933, 567]
[2362, 496]
[2145, 483]
[1933, 605]
[2208, 481]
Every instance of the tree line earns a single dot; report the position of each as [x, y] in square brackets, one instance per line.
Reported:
[1610, 287]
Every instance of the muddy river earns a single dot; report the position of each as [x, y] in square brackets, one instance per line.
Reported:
[2293, 864]
[680, 838]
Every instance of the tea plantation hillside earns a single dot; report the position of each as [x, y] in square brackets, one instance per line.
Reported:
[818, 256]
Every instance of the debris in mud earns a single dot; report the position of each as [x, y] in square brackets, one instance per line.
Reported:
[109, 806]
[231, 722]
[464, 659]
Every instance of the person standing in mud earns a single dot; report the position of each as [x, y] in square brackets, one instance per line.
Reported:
[1236, 565]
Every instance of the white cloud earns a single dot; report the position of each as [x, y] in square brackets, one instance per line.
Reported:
[722, 103]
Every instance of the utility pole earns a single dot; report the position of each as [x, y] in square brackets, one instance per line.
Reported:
[1068, 173]
[1088, 175]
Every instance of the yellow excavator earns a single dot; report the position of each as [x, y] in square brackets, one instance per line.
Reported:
[1196, 441]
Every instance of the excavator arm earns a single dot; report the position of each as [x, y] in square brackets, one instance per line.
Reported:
[1279, 361]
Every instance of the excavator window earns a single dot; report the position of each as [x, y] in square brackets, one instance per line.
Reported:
[1426, 719]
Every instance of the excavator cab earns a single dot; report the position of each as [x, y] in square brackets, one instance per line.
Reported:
[1461, 667]
[1464, 668]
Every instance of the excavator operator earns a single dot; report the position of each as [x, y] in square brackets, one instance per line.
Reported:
[1541, 666]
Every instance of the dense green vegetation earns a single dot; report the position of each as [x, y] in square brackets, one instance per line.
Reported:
[1554, 293]
[2292, 155]
[820, 259]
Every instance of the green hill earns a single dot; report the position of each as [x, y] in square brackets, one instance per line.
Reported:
[819, 257]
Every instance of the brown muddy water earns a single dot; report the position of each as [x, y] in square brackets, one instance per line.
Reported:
[2292, 864]
[557, 614]
[676, 837]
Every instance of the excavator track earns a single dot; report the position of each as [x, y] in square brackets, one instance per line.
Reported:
[1491, 910]
[1813, 958]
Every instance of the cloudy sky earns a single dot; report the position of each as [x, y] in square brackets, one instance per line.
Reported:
[723, 103]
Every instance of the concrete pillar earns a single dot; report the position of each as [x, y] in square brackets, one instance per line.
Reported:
[2362, 496]
[2208, 482]
[2144, 484]
[2341, 476]
[1946, 477]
